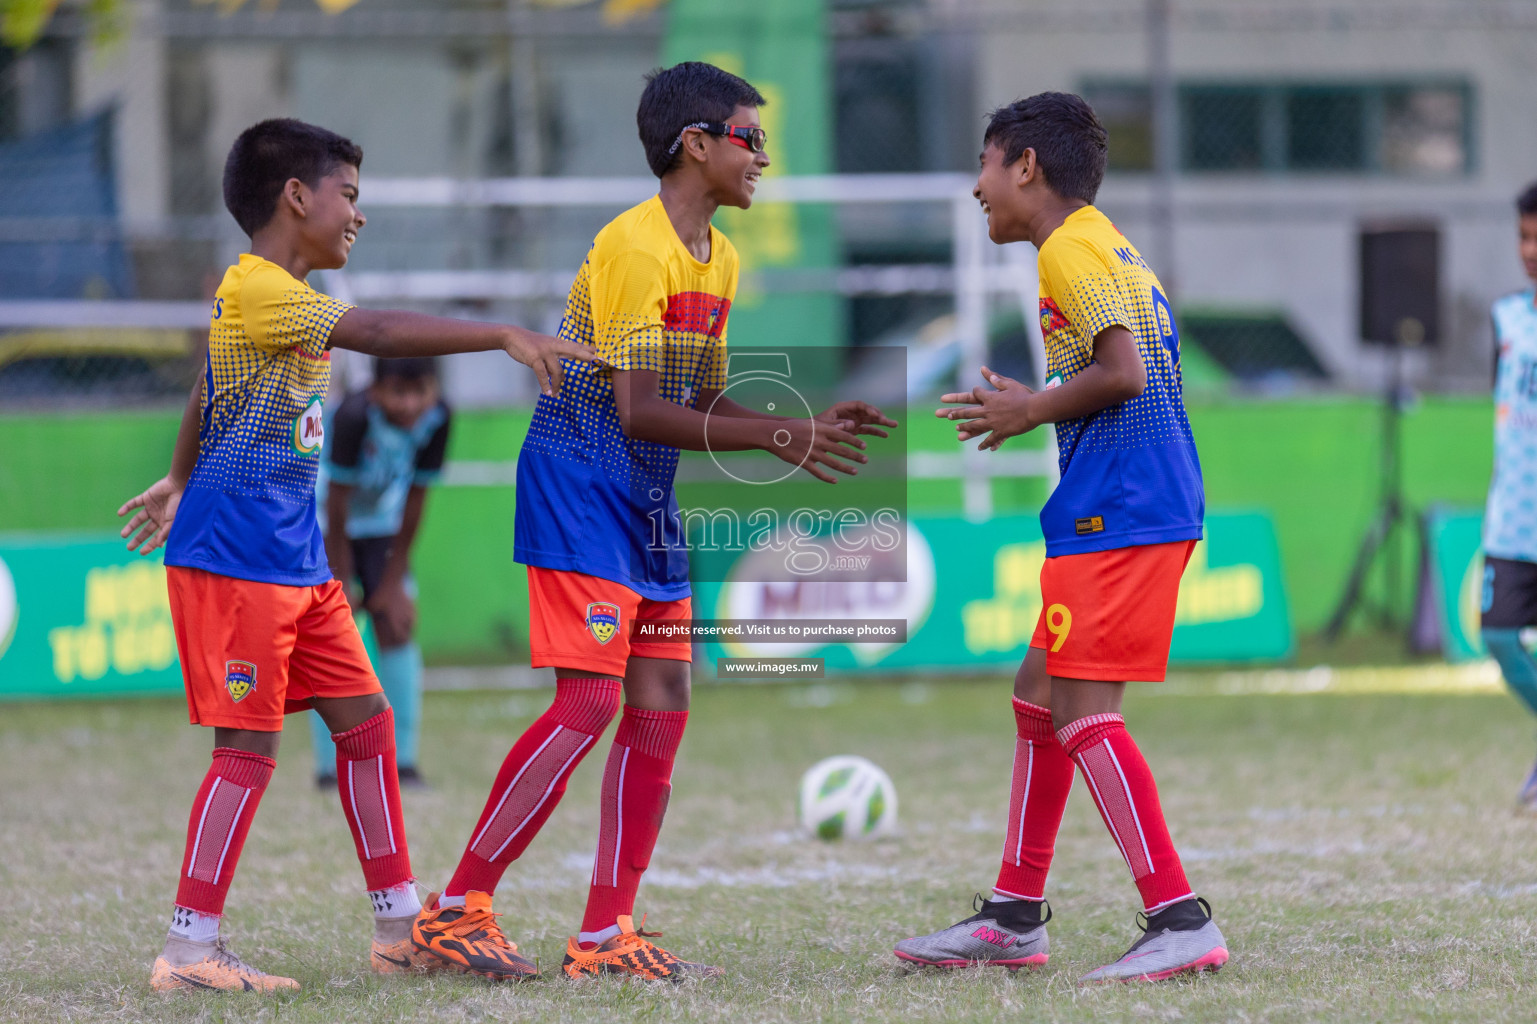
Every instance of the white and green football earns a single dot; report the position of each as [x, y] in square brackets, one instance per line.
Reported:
[847, 797]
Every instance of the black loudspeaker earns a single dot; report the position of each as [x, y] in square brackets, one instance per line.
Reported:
[1401, 285]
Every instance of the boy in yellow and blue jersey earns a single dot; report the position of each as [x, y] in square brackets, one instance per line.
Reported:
[595, 477]
[1119, 529]
[262, 627]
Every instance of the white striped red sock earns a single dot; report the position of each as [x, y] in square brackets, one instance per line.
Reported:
[637, 782]
[216, 831]
[532, 780]
[1127, 797]
[370, 795]
[1042, 780]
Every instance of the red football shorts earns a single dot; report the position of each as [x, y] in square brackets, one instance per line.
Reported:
[254, 652]
[1109, 615]
[582, 622]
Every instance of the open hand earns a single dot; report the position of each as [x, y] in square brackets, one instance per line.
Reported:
[156, 511]
[1001, 411]
[542, 354]
[857, 418]
[814, 444]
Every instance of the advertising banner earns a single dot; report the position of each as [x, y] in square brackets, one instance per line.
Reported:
[781, 48]
[83, 616]
[972, 598]
[1455, 559]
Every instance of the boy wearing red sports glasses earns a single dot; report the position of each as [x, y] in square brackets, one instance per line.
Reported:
[595, 478]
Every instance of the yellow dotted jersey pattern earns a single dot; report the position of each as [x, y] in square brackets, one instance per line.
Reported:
[267, 363]
[264, 382]
[644, 303]
[1096, 279]
[1092, 278]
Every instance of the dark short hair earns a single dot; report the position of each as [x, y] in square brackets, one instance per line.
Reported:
[269, 153]
[1068, 140]
[686, 94]
[407, 368]
[1526, 202]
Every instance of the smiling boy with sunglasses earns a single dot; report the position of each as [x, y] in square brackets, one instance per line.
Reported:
[594, 476]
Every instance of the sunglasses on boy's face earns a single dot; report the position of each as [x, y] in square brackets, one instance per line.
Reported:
[748, 136]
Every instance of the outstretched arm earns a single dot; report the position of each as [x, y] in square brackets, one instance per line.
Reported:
[1010, 408]
[646, 416]
[394, 333]
[157, 505]
[853, 416]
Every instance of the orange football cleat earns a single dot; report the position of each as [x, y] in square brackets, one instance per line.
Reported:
[629, 953]
[467, 939]
[219, 971]
[401, 957]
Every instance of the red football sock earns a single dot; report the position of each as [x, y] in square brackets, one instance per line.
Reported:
[636, 784]
[1123, 790]
[370, 792]
[533, 779]
[221, 817]
[1043, 777]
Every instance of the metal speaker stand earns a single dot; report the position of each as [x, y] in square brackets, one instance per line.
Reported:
[1381, 540]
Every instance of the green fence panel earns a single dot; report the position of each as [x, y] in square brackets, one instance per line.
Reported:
[1312, 465]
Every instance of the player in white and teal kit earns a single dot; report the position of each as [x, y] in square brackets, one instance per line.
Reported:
[383, 448]
[1510, 519]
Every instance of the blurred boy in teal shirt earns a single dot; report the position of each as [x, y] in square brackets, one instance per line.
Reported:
[384, 447]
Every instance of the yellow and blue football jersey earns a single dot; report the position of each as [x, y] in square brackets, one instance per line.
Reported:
[249, 508]
[590, 499]
[1130, 475]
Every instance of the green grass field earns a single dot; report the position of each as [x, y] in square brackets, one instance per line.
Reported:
[1360, 850]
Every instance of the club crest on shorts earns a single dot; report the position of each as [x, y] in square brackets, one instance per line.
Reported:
[602, 621]
[239, 679]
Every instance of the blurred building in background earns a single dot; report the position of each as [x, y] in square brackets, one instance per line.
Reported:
[1297, 127]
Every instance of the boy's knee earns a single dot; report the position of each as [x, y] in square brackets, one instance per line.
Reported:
[1031, 683]
[657, 684]
[344, 713]
[674, 690]
[1061, 718]
[249, 741]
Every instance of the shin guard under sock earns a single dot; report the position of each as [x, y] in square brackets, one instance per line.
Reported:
[637, 782]
[1043, 777]
[370, 794]
[221, 817]
[532, 780]
[1123, 790]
